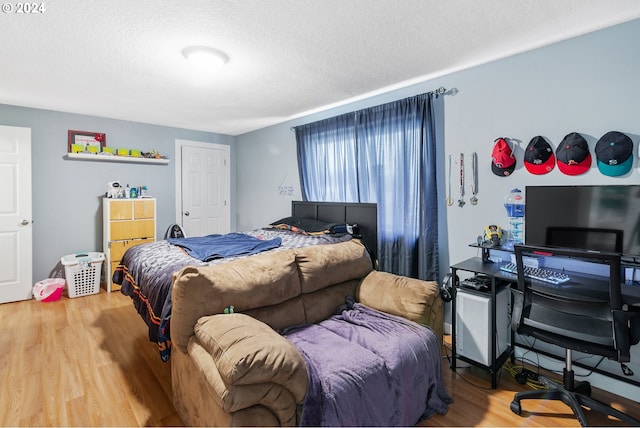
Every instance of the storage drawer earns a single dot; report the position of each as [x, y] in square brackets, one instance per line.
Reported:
[144, 209]
[121, 230]
[120, 210]
[118, 248]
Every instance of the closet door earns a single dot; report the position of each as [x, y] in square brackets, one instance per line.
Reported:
[203, 188]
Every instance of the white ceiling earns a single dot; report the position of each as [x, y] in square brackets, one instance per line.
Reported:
[122, 58]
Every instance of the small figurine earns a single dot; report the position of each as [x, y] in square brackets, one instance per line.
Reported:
[493, 235]
[114, 190]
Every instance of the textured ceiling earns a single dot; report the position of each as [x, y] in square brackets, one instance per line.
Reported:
[122, 59]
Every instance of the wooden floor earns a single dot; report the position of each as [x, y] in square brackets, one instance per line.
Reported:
[81, 362]
[87, 362]
[476, 404]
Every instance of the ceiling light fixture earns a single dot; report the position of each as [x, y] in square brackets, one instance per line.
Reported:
[205, 57]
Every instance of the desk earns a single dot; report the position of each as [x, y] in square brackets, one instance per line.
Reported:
[583, 284]
[586, 283]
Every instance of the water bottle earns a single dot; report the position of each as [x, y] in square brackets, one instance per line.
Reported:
[514, 204]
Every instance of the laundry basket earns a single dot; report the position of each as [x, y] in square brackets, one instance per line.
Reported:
[82, 271]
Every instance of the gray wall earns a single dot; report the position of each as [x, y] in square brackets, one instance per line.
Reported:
[67, 209]
[588, 84]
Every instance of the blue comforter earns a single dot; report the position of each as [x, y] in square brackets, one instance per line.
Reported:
[212, 247]
[369, 368]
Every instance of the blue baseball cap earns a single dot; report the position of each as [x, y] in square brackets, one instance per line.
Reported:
[614, 154]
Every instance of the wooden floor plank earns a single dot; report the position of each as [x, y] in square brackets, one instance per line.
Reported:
[87, 361]
[476, 404]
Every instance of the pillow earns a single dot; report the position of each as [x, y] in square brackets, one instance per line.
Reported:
[309, 226]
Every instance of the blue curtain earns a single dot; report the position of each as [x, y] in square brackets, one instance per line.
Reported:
[326, 161]
[387, 155]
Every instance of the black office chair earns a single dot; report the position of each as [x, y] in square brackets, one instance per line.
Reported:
[575, 318]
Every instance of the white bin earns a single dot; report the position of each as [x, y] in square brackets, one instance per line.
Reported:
[82, 271]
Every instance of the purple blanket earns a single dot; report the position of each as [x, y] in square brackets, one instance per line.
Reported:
[369, 368]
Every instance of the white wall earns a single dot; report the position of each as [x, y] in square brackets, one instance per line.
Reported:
[588, 84]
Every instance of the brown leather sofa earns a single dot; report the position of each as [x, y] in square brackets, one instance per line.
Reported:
[235, 369]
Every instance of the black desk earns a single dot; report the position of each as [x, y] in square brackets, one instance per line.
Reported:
[587, 284]
[581, 284]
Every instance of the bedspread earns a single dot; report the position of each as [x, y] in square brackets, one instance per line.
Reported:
[212, 247]
[369, 368]
[146, 271]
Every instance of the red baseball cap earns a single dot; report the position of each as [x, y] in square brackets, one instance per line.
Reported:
[573, 155]
[503, 162]
[538, 156]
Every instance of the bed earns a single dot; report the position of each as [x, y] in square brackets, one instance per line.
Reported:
[146, 270]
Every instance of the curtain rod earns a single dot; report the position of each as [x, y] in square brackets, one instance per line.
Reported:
[441, 90]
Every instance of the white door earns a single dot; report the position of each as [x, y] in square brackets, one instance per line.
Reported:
[15, 214]
[204, 188]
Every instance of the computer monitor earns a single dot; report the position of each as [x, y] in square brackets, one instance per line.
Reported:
[595, 239]
[592, 217]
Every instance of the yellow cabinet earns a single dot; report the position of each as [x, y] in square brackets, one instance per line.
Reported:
[127, 222]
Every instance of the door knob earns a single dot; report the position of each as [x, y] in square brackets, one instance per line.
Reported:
[25, 222]
[186, 213]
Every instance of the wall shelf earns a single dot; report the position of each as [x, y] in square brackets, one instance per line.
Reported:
[103, 158]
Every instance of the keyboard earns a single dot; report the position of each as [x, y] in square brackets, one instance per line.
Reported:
[540, 274]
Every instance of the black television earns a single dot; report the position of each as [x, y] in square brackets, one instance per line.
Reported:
[592, 218]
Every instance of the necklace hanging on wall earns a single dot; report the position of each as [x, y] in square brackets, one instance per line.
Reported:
[474, 178]
[449, 199]
[461, 200]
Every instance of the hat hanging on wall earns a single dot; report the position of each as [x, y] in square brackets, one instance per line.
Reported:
[614, 154]
[503, 161]
[573, 155]
[538, 156]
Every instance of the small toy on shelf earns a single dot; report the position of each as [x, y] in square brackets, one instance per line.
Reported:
[493, 235]
[115, 190]
[153, 154]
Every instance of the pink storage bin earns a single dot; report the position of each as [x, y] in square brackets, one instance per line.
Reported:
[48, 290]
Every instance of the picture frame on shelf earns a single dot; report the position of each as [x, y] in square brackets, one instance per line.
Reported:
[85, 141]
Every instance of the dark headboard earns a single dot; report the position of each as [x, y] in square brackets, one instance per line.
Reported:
[365, 215]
